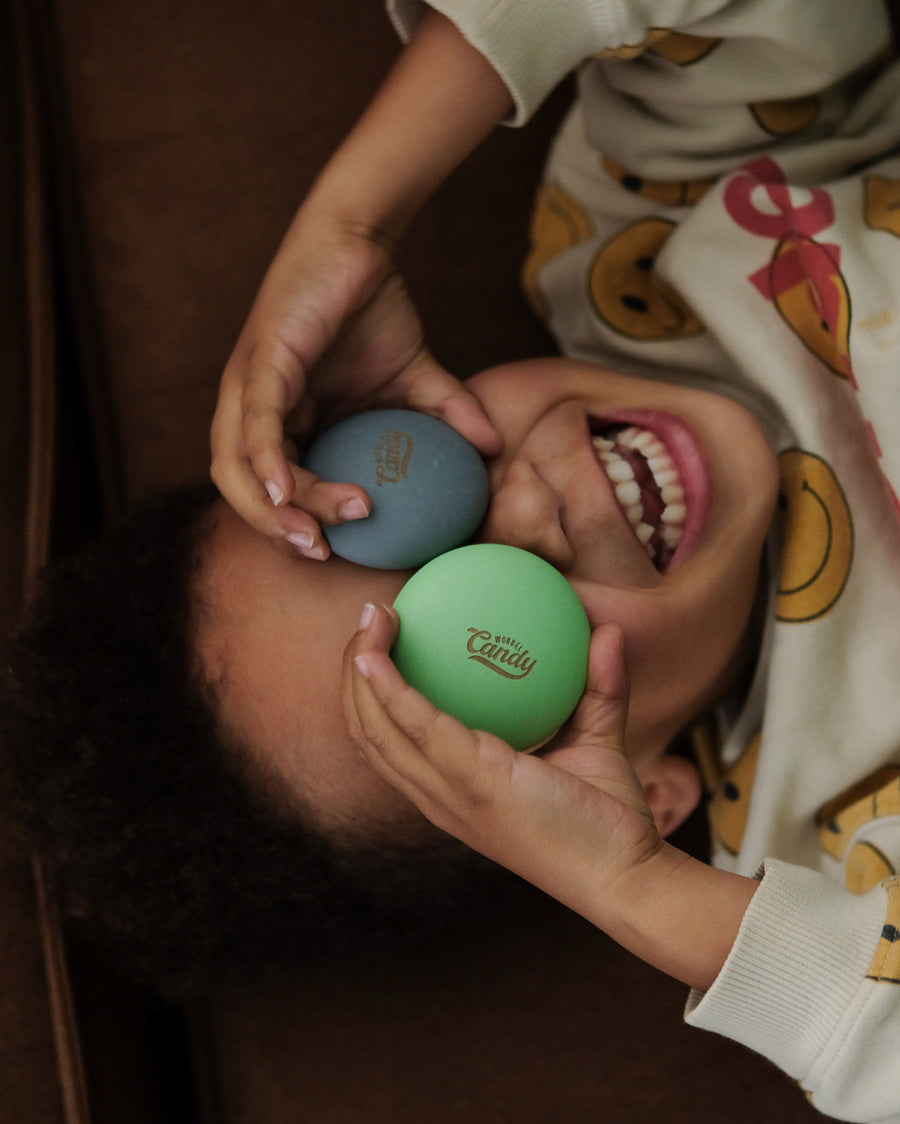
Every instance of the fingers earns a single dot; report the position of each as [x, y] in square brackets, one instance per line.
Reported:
[260, 387]
[275, 496]
[372, 692]
[300, 523]
[442, 767]
[251, 469]
[318, 503]
[433, 390]
[602, 712]
[464, 412]
[597, 727]
[266, 397]
[586, 814]
[388, 719]
[235, 479]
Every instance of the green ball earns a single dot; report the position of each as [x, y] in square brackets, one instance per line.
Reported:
[496, 637]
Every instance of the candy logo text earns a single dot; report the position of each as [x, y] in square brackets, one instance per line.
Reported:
[502, 654]
[393, 452]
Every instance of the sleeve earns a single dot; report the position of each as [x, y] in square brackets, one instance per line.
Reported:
[813, 984]
[534, 44]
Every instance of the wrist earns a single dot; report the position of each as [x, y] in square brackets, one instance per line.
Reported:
[336, 207]
[677, 913]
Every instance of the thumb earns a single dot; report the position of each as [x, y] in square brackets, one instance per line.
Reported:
[601, 713]
[598, 723]
[435, 391]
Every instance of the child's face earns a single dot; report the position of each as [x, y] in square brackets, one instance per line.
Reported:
[274, 626]
[684, 613]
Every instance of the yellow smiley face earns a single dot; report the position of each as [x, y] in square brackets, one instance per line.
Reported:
[885, 966]
[674, 46]
[882, 204]
[558, 223]
[782, 118]
[682, 49]
[628, 295]
[812, 297]
[875, 797]
[817, 535]
[681, 193]
[730, 803]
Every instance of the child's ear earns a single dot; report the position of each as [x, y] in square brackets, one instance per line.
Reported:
[673, 789]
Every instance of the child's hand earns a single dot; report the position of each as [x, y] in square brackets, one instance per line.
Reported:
[332, 328]
[574, 822]
[573, 818]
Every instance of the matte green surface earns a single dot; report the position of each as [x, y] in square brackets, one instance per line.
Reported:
[496, 637]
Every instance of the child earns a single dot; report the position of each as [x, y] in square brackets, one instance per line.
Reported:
[173, 731]
[174, 734]
[719, 207]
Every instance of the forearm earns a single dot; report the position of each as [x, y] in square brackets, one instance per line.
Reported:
[675, 912]
[438, 103]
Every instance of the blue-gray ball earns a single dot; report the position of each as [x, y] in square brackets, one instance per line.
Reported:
[428, 485]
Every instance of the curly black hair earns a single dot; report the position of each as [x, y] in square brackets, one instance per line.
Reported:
[116, 769]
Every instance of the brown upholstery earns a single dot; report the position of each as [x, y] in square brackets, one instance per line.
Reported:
[39, 1042]
[153, 154]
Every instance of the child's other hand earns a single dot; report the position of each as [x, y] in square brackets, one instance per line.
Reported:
[332, 331]
[572, 821]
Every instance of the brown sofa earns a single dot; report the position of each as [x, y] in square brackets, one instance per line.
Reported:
[153, 154]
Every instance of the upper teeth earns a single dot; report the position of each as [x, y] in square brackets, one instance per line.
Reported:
[628, 493]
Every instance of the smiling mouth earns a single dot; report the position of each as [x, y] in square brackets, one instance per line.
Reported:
[647, 485]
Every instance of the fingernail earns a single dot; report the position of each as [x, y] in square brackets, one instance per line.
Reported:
[367, 616]
[275, 493]
[363, 666]
[305, 545]
[353, 509]
[301, 541]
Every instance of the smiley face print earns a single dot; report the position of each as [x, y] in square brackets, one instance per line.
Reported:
[786, 117]
[629, 51]
[803, 276]
[682, 49]
[676, 47]
[817, 534]
[673, 193]
[558, 223]
[628, 295]
[729, 806]
[810, 293]
[885, 966]
[882, 204]
[839, 821]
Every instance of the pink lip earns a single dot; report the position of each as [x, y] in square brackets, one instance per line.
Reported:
[693, 467]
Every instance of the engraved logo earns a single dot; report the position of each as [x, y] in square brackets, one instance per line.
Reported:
[393, 452]
[502, 654]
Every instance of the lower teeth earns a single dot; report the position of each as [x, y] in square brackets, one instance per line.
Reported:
[617, 447]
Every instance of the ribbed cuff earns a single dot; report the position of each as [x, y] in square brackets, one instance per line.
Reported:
[531, 46]
[799, 960]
